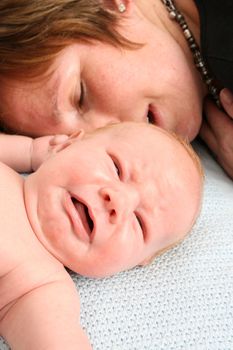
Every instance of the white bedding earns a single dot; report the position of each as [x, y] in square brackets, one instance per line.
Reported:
[184, 299]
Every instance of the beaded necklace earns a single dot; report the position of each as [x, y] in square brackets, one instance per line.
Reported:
[199, 61]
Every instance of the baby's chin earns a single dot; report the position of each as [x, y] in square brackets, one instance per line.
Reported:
[100, 271]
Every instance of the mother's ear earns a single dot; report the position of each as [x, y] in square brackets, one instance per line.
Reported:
[121, 6]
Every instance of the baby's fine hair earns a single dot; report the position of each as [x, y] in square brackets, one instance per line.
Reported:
[33, 32]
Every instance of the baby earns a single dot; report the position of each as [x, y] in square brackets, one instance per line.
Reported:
[100, 203]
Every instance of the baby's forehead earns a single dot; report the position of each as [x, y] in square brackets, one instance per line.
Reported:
[139, 138]
[144, 136]
[144, 144]
[130, 130]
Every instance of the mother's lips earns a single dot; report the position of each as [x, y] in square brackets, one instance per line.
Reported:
[154, 116]
[150, 117]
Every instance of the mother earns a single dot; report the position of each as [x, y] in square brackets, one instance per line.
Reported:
[68, 64]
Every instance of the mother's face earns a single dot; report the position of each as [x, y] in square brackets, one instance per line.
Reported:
[96, 84]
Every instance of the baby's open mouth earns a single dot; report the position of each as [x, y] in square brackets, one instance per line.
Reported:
[84, 215]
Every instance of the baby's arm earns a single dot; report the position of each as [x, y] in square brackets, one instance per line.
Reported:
[24, 154]
[46, 318]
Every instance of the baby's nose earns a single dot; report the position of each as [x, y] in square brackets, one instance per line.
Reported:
[119, 201]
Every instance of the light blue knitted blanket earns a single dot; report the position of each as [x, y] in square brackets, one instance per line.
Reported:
[184, 299]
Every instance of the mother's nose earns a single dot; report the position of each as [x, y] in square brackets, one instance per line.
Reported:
[119, 201]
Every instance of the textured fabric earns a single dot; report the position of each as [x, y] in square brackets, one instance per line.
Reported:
[217, 38]
[184, 299]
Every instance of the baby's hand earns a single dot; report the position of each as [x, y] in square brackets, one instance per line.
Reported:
[43, 147]
[217, 130]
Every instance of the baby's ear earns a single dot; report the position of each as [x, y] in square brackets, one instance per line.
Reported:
[60, 142]
[146, 262]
